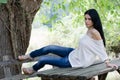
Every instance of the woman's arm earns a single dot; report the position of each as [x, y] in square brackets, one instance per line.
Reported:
[96, 35]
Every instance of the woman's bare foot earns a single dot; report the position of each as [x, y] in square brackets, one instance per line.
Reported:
[24, 57]
[28, 71]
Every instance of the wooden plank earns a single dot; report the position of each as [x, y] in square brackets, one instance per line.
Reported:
[15, 62]
[78, 72]
[68, 72]
[92, 71]
[57, 71]
[54, 74]
[20, 76]
[62, 71]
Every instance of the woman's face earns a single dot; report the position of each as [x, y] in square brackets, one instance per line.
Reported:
[88, 21]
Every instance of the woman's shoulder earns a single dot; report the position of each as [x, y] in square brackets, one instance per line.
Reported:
[95, 34]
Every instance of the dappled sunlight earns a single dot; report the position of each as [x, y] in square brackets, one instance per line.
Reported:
[113, 76]
[39, 38]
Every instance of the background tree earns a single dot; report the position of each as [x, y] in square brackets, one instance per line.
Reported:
[16, 17]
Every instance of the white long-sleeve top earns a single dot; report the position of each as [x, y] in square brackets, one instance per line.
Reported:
[88, 52]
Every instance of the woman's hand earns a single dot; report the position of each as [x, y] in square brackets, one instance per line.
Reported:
[112, 65]
[108, 64]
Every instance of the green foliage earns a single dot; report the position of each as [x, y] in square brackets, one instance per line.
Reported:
[3, 1]
[65, 16]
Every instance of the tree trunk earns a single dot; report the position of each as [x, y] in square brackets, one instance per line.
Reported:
[15, 27]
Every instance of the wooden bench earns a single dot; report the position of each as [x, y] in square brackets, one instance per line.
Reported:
[62, 73]
[78, 73]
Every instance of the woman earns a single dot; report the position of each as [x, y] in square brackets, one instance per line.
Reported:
[91, 49]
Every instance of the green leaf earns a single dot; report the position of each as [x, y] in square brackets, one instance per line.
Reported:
[3, 1]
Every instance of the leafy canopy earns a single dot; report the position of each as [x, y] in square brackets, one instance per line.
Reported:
[66, 15]
[3, 1]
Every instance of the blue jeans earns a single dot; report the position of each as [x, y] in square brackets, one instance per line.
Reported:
[61, 61]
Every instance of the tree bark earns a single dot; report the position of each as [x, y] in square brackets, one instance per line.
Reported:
[16, 18]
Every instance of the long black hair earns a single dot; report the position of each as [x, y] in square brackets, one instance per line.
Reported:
[96, 22]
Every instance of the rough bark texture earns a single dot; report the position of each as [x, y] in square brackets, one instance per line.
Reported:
[15, 28]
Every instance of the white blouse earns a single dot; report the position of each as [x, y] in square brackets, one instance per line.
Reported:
[88, 52]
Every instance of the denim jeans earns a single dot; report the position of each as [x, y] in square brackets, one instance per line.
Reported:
[61, 61]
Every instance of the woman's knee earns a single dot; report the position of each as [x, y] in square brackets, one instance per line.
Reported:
[49, 48]
[43, 59]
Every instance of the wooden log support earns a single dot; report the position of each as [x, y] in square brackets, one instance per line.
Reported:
[7, 71]
[102, 76]
[118, 71]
